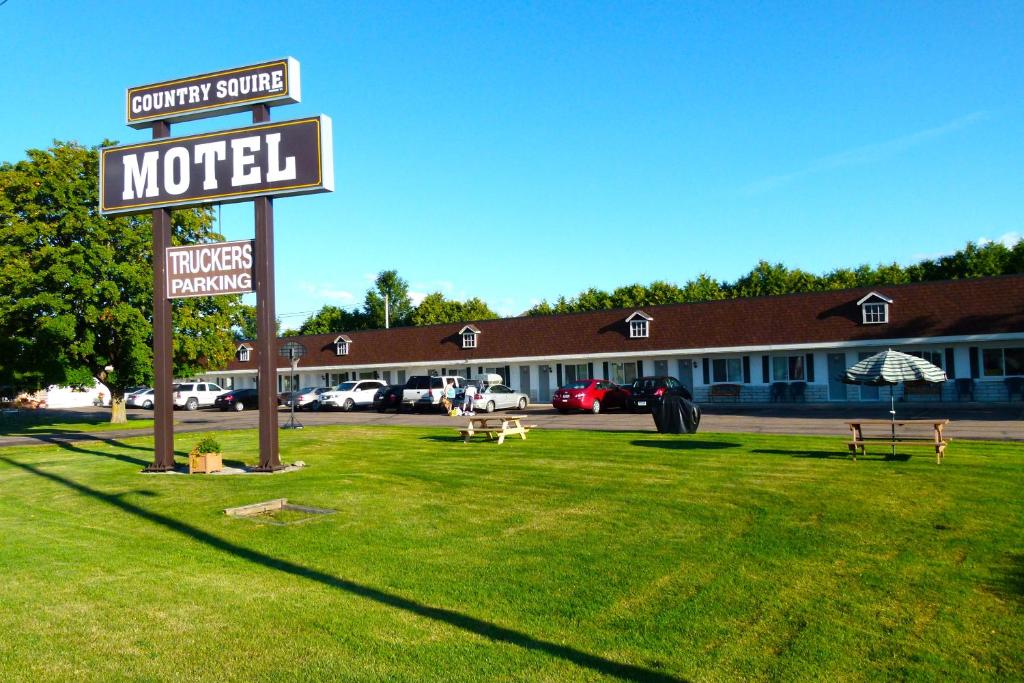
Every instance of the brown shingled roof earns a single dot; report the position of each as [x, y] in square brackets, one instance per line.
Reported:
[927, 309]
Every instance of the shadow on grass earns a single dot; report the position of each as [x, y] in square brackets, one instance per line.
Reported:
[684, 444]
[72, 446]
[801, 454]
[485, 629]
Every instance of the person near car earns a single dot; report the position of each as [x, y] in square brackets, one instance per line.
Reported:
[467, 400]
[449, 396]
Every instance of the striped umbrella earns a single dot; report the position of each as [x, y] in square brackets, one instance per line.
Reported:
[888, 368]
[892, 367]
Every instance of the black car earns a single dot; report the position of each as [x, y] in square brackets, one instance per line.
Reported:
[239, 399]
[647, 392]
[388, 397]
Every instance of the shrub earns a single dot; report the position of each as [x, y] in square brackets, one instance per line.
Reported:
[208, 444]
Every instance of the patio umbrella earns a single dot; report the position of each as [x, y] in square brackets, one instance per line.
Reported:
[889, 368]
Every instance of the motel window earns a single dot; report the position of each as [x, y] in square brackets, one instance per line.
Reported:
[622, 374]
[1008, 362]
[637, 328]
[469, 340]
[341, 348]
[788, 369]
[243, 354]
[575, 372]
[936, 358]
[876, 313]
[727, 370]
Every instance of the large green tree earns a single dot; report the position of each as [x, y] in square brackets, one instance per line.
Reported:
[435, 309]
[76, 288]
[395, 291]
[334, 319]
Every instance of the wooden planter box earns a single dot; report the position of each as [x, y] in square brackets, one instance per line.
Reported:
[205, 463]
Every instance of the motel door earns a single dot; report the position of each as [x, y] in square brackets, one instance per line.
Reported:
[543, 384]
[524, 381]
[836, 368]
[867, 393]
[686, 374]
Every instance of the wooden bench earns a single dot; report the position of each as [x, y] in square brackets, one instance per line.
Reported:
[896, 432]
[922, 389]
[730, 392]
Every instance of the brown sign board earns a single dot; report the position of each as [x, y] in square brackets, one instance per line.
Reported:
[220, 92]
[210, 269]
[268, 159]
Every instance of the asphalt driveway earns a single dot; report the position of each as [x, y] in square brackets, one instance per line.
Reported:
[997, 422]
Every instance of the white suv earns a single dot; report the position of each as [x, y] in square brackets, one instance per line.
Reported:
[348, 395]
[424, 390]
[192, 395]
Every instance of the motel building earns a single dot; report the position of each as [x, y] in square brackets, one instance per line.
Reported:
[757, 350]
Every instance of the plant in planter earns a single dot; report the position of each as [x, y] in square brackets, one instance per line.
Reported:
[205, 456]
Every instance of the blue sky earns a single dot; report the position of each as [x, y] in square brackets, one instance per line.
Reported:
[519, 151]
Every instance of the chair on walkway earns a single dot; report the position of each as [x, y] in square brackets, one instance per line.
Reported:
[797, 390]
[964, 388]
[778, 392]
[1014, 387]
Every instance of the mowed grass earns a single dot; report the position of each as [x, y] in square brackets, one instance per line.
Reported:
[569, 556]
[44, 422]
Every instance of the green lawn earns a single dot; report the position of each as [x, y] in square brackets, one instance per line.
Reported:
[44, 422]
[569, 556]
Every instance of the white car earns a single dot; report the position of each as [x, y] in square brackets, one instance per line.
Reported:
[192, 395]
[140, 399]
[349, 395]
[307, 398]
[497, 396]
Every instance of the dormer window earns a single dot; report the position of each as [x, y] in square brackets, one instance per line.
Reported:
[874, 309]
[469, 333]
[243, 353]
[341, 343]
[639, 325]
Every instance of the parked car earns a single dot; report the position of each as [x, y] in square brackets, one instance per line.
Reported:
[498, 396]
[309, 398]
[432, 387]
[647, 392]
[591, 395]
[237, 399]
[140, 399]
[192, 395]
[388, 397]
[351, 394]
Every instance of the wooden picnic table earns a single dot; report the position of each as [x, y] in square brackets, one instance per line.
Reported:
[498, 426]
[893, 432]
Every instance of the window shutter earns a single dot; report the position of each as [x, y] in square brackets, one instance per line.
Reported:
[508, 375]
[604, 367]
[746, 369]
[975, 362]
[764, 370]
[809, 367]
[639, 368]
[558, 374]
[707, 371]
[590, 370]
[950, 364]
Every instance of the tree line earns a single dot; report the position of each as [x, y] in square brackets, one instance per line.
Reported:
[386, 304]
[768, 279]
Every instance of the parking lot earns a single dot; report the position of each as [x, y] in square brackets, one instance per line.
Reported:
[969, 421]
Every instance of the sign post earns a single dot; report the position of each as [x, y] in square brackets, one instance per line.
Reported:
[254, 163]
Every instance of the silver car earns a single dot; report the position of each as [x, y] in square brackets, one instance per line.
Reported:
[498, 397]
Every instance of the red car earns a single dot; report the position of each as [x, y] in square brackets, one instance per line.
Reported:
[592, 395]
